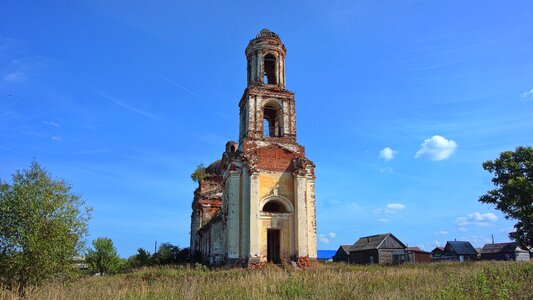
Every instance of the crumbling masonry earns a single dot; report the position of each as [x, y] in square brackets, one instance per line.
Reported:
[257, 203]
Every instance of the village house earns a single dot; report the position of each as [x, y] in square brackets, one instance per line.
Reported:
[504, 251]
[342, 254]
[257, 203]
[417, 255]
[458, 251]
[437, 252]
[378, 249]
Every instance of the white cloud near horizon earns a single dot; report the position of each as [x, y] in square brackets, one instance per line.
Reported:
[383, 220]
[527, 96]
[393, 208]
[51, 123]
[327, 237]
[477, 219]
[387, 153]
[16, 76]
[436, 148]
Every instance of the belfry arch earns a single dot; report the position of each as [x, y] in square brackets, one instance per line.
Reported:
[269, 69]
[272, 119]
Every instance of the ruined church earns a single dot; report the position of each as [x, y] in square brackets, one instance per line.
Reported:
[257, 203]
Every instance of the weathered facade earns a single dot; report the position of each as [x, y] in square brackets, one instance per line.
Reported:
[257, 203]
[458, 251]
[504, 251]
[417, 255]
[342, 254]
[378, 249]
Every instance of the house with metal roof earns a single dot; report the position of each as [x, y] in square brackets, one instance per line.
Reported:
[458, 250]
[378, 249]
[504, 251]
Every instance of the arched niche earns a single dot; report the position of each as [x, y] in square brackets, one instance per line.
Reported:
[272, 119]
[276, 204]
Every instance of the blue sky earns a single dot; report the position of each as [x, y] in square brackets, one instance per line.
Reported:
[398, 104]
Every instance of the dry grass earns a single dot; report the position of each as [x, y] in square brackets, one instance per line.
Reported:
[482, 280]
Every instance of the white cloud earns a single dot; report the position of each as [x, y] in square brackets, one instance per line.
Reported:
[383, 220]
[387, 153]
[326, 238]
[56, 138]
[15, 77]
[436, 148]
[442, 232]
[476, 219]
[50, 123]
[527, 95]
[462, 229]
[393, 208]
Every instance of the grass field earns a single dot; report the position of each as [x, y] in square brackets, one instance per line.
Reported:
[481, 280]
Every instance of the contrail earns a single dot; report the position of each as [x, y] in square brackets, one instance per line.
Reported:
[179, 85]
[126, 106]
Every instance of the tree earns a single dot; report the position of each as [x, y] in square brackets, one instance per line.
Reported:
[513, 195]
[199, 174]
[166, 254]
[42, 226]
[141, 259]
[103, 258]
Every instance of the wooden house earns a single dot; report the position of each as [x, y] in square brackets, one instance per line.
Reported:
[437, 252]
[417, 255]
[504, 251]
[342, 254]
[459, 250]
[378, 249]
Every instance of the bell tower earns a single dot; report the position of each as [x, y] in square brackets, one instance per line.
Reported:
[258, 202]
[266, 108]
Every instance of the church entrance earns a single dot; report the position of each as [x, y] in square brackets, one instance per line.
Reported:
[273, 247]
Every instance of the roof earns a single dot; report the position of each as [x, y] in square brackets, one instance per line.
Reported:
[374, 242]
[346, 248]
[500, 248]
[441, 249]
[415, 249]
[325, 254]
[460, 247]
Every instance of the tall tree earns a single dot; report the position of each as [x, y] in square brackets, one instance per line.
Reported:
[103, 258]
[513, 195]
[42, 226]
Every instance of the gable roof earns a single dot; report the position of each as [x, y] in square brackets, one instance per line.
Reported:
[415, 249]
[346, 248]
[501, 248]
[375, 242]
[438, 249]
[460, 248]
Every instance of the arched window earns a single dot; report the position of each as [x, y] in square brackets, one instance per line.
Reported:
[271, 121]
[269, 66]
[274, 207]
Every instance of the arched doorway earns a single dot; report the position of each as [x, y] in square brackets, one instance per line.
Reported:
[277, 227]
